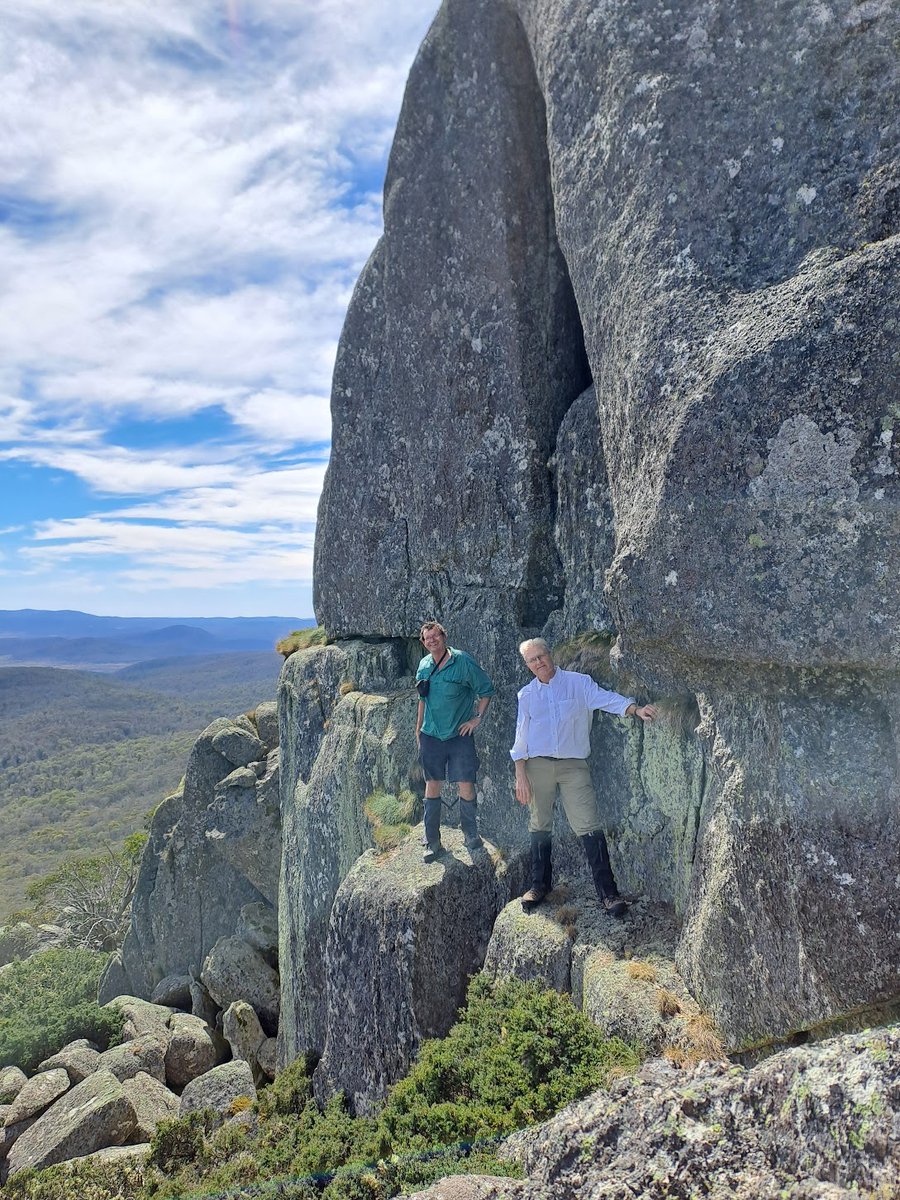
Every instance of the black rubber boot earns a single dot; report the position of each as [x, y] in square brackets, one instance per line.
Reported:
[541, 871]
[468, 823]
[434, 849]
[597, 853]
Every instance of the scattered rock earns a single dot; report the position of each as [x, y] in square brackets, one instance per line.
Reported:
[12, 1080]
[203, 1005]
[79, 1059]
[136, 1153]
[471, 1187]
[239, 746]
[267, 724]
[152, 1101]
[142, 1018]
[233, 970]
[38, 1094]
[173, 992]
[240, 777]
[531, 946]
[193, 1049]
[141, 1054]
[267, 1057]
[242, 1031]
[94, 1114]
[219, 1089]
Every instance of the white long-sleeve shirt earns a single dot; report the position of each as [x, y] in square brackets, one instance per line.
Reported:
[554, 719]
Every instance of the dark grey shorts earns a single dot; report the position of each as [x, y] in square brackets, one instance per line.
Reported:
[455, 759]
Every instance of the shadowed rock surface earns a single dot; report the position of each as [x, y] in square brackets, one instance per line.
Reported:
[403, 941]
[342, 739]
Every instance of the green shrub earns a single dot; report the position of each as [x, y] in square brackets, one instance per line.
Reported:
[516, 1056]
[391, 817]
[49, 1000]
[182, 1141]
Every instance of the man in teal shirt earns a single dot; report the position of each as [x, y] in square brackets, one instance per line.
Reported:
[454, 694]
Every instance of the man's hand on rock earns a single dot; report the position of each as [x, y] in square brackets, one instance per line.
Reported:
[647, 712]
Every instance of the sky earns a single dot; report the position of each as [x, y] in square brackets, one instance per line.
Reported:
[188, 192]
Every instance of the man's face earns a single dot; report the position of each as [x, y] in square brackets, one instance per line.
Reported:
[540, 663]
[434, 642]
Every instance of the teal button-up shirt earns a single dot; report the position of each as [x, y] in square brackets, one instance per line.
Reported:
[452, 693]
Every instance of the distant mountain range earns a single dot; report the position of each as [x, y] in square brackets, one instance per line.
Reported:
[76, 639]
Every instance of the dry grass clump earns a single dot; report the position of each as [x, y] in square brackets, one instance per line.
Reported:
[641, 970]
[667, 1003]
[301, 639]
[700, 1042]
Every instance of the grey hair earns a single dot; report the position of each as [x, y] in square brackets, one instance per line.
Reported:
[529, 642]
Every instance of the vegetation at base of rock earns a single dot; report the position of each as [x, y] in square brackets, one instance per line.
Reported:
[49, 1000]
[301, 639]
[391, 817]
[516, 1055]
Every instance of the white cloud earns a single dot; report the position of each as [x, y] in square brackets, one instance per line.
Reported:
[190, 197]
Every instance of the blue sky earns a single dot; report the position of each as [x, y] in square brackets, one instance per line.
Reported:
[187, 195]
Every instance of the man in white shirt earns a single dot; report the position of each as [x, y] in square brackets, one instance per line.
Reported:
[553, 741]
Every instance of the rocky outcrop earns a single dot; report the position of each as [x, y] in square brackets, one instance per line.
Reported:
[214, 847]
[705, 231]
[803, 1122]
[403, 941]
[347, 721]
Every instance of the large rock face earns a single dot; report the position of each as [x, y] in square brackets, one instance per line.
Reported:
[704, 201]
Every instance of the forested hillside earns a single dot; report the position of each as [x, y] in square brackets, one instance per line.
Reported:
[84, 757]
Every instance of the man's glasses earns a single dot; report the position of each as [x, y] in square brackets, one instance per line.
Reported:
[536, 658]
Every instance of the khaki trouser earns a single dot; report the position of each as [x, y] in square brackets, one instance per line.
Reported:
[573, 778]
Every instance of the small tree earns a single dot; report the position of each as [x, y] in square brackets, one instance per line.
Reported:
[90, 897]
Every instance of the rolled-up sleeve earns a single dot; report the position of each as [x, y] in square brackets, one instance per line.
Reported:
[478, 680]
[520, 745]
[597, 697]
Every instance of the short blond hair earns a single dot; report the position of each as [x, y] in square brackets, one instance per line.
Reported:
[529, 642]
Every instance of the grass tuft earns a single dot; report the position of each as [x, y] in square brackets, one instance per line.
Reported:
[302, 639]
